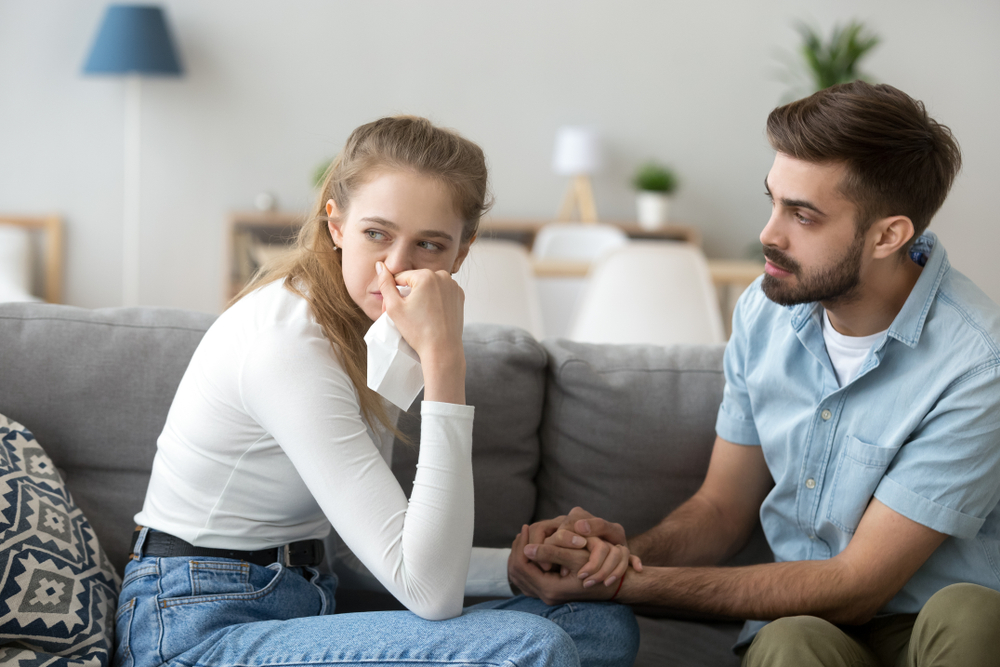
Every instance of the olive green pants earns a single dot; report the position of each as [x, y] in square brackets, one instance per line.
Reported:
[959, 625]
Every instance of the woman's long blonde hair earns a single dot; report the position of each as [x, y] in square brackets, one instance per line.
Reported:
[313, 269]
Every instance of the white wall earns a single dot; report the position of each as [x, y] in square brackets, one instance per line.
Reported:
[273, 88]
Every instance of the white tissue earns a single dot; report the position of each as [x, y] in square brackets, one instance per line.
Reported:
[393, 366]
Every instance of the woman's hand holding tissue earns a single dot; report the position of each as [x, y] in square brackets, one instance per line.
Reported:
[430, 320]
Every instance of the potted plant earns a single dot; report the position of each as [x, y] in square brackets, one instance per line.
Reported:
[824, 62]
[655, 183]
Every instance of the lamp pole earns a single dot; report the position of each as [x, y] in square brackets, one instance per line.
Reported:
[132, 40]
[132, 184]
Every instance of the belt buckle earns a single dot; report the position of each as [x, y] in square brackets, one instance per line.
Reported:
[303, 554]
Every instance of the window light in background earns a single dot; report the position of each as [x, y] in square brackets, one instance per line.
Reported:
[133, 41]
[577, 154]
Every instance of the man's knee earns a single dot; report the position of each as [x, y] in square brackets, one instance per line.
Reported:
[958, 604]
[958, 619]
[803, 640]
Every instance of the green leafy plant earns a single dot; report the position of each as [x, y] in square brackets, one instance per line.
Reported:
[319, 173]
[655, 177]
[827, 62]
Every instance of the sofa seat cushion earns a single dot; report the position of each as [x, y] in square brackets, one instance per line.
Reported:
[58, 591]
[667, 642]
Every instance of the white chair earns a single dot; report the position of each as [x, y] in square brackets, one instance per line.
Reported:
[500, 286]
[656, 292]
[569, 241]
[576, 241]
[16, 269]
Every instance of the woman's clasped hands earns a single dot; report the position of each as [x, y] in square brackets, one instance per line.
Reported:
[571, 557]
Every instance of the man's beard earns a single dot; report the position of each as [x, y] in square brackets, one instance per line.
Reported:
[835, 284]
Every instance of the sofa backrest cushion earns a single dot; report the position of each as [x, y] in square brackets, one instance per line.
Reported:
[505, 381]
[628, 431]
[95, 387]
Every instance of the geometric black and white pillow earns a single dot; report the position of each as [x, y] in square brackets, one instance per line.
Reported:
[58, 591]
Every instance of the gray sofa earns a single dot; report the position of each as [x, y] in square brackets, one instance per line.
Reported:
[624, 431]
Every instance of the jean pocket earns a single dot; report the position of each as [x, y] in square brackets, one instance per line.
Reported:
[217, 580]
[860, 469]
[219, 577]
[123, 631]
[136, 571]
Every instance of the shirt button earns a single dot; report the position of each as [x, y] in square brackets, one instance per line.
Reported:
[812, 537]
[826, 414]
[810, 483]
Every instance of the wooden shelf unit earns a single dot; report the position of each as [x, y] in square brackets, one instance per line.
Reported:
[50, 229]
[252, 237]
[256, 235]
[524, 231]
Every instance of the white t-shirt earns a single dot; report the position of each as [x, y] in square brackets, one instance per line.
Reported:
[264, 444]
[847, 353]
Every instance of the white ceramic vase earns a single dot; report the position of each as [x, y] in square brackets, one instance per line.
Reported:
[653, 209]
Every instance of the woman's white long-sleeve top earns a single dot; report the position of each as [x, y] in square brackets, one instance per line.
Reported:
[264, 444]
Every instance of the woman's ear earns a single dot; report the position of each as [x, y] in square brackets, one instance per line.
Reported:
[335, 224]
[892, 233]
[463, 252]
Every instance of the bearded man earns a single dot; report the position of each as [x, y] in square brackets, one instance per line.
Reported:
[860, 419]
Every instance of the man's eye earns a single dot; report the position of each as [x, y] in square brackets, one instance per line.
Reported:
[801, 218]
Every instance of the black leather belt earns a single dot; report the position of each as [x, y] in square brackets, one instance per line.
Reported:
[307, 553]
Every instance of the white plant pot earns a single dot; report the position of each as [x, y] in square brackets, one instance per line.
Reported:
[653, 209]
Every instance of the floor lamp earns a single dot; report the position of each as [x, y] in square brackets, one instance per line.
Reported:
[133, 41]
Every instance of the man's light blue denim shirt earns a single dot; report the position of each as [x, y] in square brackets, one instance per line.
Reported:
[918, 428]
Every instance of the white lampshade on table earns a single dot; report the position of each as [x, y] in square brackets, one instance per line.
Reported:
[577, 154]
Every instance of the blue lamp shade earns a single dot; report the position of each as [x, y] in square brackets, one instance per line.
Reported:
[133, 38]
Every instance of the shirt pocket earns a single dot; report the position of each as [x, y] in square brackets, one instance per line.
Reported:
[859, 470]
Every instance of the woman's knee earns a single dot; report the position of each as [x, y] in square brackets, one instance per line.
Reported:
[525, 638]
[606, 634]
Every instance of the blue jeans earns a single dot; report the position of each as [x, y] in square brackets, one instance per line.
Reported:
[211, 612]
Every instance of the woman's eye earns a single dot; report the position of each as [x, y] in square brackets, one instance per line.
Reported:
[427, 245]
[374, 235]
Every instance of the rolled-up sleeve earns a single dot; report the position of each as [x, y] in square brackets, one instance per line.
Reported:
[735, 421]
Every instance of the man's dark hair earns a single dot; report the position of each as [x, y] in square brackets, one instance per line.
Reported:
[899, 160]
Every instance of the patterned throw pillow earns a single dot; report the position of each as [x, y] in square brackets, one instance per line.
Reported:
[58, 591]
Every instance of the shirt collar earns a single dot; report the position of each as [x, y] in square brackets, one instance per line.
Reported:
[909, 322]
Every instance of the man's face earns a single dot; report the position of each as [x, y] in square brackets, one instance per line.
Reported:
[811, 243]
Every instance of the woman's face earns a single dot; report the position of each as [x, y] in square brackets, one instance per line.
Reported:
[402, 218]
